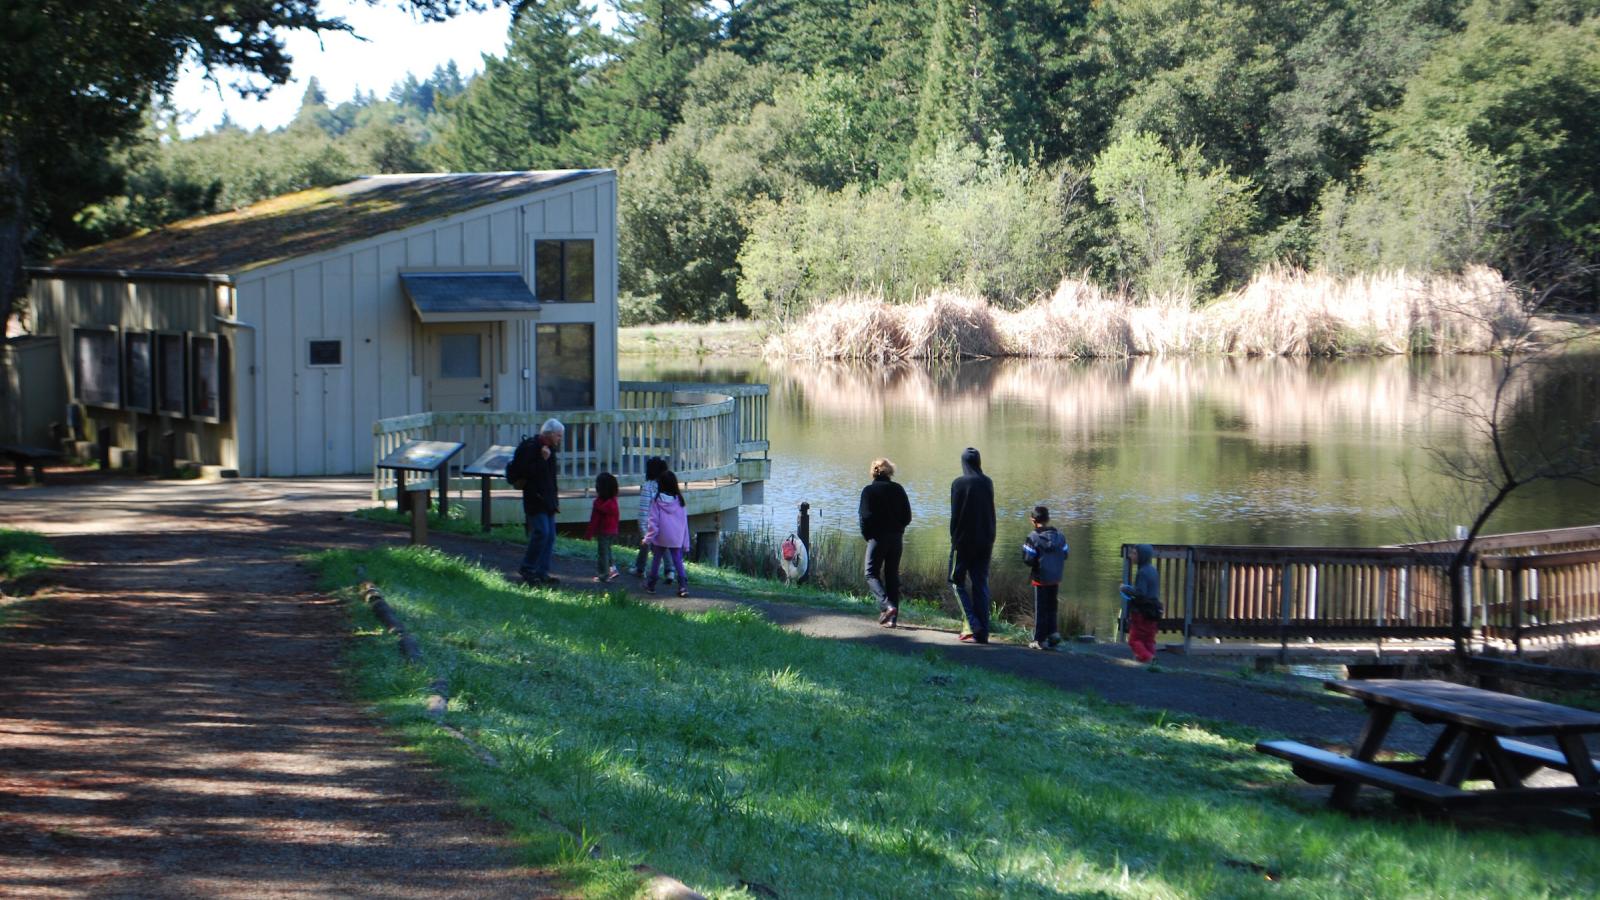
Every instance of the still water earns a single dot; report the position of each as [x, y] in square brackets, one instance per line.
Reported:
[1202, 451]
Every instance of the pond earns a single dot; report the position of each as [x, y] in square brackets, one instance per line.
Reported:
[1198, 450]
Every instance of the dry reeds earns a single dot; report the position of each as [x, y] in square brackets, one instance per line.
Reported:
[1281, 312]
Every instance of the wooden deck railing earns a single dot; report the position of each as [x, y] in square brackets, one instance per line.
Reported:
[1280, 593]
[1529, 586]
[700, 432]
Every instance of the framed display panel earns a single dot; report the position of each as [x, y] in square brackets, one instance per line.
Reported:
[208, 377]
[97, 365]
[139, 371]
[172, 374]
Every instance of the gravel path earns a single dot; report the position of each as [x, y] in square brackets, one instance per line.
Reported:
[172, 721]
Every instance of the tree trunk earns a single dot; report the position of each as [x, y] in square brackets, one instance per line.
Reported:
[1458, 588]
[13, 229]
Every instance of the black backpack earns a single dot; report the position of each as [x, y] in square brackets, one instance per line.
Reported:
[521, 468]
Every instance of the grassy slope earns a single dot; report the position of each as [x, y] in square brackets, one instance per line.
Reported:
[740, 337]
[721, 748]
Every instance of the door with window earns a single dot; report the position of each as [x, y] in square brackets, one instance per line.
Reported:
[461, 368]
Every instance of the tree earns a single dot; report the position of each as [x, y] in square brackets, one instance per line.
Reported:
[78, 76]
[521, 112]
[1519, 446]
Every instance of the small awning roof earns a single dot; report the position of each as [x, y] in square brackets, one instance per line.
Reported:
[469, 296]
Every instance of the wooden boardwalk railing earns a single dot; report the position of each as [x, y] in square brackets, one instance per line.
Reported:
[702, 430]
[1531, 586]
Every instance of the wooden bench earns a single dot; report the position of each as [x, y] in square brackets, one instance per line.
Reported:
[1308, 761]
[36, 457]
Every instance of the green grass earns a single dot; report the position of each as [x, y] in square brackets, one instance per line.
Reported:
[913, 611]
[720, 748]
[732, 338]
[22, 553]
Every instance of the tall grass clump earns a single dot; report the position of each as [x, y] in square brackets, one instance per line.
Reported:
[1280, 312]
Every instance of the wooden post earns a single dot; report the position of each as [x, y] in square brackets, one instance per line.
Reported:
[402, 500]
[1516, 604]
[441, 478]
[802, 529]
[486, 502]
[103, 451]
[419, 517]
[1188, 602]
[1285, 577]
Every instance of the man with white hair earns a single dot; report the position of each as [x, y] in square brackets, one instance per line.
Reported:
[535, 461]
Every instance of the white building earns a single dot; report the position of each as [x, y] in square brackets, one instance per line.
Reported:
[270, 339]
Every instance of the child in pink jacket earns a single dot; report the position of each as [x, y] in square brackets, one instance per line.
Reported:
[667, 531]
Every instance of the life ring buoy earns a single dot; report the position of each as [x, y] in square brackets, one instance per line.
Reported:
[793, 560]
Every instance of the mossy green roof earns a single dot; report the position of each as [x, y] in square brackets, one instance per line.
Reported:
[307, 222]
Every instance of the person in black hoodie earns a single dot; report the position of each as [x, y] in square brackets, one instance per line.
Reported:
[885, 511]
[972, 543]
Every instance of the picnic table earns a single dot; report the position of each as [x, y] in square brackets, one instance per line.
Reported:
[1478, 741]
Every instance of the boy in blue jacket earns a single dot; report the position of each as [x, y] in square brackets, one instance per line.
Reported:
[1045, 552]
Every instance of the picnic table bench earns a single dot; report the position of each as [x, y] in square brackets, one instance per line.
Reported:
[1478, 741]
[37, 457]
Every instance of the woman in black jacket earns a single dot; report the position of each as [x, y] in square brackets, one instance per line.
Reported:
[885, 512]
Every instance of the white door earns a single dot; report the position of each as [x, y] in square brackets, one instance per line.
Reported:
[461, 368]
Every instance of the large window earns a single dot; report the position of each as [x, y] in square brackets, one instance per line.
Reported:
[98, 364]
[172, 375]
[564, 271]
[566, 366]
[139, 371]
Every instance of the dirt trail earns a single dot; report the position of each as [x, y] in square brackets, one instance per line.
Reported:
[172, 721]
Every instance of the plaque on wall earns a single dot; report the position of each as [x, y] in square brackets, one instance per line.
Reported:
[172, 369]
[138, 372]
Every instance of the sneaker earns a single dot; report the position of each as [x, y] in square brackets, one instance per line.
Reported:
[683, 592]
[981, 638]
[549, 579]
[649, 588]
[1035, 645]
[613, 574]
[1054, 640]
[885, 615]
[967, 638]
[599, 580]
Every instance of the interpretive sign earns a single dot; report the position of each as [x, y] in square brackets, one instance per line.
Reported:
[492, 463]
[421, 456]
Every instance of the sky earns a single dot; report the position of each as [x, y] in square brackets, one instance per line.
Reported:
[398, 42]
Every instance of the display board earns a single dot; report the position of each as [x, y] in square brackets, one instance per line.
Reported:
[205, 400]
[138, 371]
[421, 456]
[98, 366]
[493, 461]
[172, 370]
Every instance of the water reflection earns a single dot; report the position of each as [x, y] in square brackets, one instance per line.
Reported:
[1207, 450]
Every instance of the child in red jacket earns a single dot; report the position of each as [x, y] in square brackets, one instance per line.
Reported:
[603, 524]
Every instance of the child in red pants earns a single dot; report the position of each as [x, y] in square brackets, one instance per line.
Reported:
[1144, 605]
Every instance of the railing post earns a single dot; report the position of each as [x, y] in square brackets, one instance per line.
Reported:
[1285, 576]
[1516, 604]
[802, 529]
[1188, 600]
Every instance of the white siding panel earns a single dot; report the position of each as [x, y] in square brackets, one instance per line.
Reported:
[393, 322]
[278, 376]
[365, 353]
[475, 242]
[505, 238]
[248, 375]
[308, 400]
[447, 246]
[419, 250]
[585, 211]
[338, 423]
[558, 214]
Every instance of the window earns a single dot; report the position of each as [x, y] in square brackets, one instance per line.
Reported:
[566, 366]
[208, 377]
[325, 353]
[564, 271]
[138, 371]
[172, 371]
[98, 366]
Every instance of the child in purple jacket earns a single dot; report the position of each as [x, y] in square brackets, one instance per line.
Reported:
[667, 531]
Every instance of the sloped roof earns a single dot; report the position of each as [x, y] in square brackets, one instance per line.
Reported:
[308, 222]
